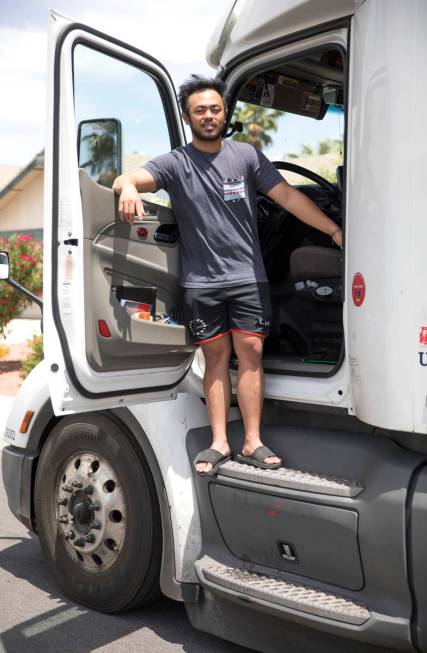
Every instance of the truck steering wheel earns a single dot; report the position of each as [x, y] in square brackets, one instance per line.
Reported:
[309, 174]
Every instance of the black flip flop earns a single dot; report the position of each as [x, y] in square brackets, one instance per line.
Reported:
[256, 459]
[212, 456]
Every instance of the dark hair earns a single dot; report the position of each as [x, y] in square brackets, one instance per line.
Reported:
[197, 83]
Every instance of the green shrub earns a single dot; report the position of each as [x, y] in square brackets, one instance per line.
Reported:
[329, 145]
[25, 258]
[34, 356]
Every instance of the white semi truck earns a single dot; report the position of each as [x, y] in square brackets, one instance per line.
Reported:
[101, 435]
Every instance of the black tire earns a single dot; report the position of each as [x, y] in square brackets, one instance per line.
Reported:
[132, 577]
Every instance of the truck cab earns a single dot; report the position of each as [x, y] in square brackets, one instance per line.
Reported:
[332, 543]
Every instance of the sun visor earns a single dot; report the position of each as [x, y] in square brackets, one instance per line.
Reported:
[285, 93]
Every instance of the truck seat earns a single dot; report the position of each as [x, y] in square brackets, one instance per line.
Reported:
[316, 273]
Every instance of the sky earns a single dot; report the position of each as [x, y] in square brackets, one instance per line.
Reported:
[174, 32]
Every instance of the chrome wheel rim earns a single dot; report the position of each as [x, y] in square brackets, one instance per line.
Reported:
[90, 511]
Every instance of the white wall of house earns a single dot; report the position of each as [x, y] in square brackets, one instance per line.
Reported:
[24, 206]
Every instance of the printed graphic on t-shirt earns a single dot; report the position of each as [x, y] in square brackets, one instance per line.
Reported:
[198, 327]
[234, 189]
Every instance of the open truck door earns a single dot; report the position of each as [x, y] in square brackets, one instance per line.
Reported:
[111, 108]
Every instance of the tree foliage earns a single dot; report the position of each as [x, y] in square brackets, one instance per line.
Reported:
[325, 146]
[329, 145]
[306, 150]
[34, 356]
[25, 257]
[257, 123]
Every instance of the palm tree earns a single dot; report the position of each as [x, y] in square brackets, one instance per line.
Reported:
[257, 122]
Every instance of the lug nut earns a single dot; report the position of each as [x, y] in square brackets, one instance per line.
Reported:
[96, 523]
[62, 519]
[90, 538]
[95, 505]
[89, 489]
[62, 502]
[67, 488]
[77, 484]
[70, 535]
[80, 542]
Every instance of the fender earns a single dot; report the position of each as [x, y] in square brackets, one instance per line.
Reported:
[21, 452]
[20, 460]
[32, 395]
[170, 586]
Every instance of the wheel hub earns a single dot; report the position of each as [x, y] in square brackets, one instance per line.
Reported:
[82, 513]
[90, 511]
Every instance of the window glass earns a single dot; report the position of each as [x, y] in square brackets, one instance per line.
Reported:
[278, 121]
[110, 92]
[313, 144]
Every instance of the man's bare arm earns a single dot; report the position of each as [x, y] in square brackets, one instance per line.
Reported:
[128, 186]
[303, 208]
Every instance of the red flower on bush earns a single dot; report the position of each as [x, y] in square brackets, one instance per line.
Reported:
[25, 257]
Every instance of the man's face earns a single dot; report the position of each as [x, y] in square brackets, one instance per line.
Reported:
[205, 114]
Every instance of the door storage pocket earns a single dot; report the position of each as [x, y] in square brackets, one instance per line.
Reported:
[137, 294]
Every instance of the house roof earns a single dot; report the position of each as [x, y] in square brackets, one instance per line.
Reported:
[7, 173]
[21, 178]
[17, 178]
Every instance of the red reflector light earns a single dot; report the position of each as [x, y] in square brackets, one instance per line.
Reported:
[142, 232]
[104, 331]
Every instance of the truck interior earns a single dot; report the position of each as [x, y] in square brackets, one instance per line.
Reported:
[303, 266]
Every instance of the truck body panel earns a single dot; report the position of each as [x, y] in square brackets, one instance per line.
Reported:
[385, 215]
[248, 25]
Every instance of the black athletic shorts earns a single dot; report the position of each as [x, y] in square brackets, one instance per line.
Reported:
[211, 313]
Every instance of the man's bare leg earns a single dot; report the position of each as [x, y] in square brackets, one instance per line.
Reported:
[250, 389]
[217, 386]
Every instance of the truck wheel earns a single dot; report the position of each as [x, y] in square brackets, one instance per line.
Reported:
[98, 515]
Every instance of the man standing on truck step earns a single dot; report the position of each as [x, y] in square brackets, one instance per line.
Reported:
[212, 184]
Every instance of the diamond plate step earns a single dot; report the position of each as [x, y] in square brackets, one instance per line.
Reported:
[293, 479]
[290, 595]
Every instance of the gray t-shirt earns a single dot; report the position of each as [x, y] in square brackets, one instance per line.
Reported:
[213, 198]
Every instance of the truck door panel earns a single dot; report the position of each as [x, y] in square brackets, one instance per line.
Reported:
[119, 254]
[128, 99]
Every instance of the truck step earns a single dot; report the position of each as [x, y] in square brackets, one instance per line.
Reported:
[289, 595]
[293, 479]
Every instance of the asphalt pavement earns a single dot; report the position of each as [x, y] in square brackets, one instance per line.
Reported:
[35, 617]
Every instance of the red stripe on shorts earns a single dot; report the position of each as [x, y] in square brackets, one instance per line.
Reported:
[250, 333]
[220, 335]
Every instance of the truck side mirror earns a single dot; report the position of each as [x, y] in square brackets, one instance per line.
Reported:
[99, 149]
[4, 265]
